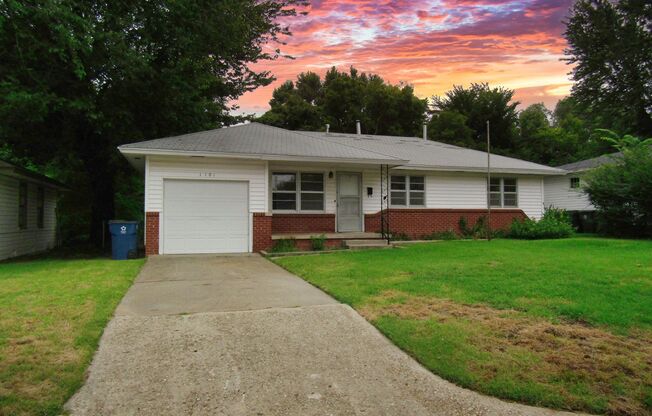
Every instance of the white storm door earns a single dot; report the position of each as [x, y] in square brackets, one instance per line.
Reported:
[349, 202]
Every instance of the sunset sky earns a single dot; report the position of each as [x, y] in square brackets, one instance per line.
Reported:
[431, 45]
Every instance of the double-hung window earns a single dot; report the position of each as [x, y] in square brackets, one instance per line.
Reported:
[503, 193]
[408, 191]
[22, 205]
[297, 191]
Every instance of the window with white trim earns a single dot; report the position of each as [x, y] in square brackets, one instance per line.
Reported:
[408, 191]
[503, 193]
[297, 191]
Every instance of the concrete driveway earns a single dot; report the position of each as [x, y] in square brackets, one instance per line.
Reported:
[211, 335]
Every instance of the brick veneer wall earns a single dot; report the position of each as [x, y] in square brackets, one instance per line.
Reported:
[303, 223]
[262, 229]
[151, 233]
[416, 223]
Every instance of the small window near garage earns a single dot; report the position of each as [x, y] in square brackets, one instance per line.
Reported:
[574, 183]
[303, 191]
[503, 193]
[408, 191]
[40, 207]
[22, 205]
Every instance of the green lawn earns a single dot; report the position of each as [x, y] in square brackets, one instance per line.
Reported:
[52, 313]
[558, 323]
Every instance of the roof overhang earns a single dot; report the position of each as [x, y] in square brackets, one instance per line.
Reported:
[135, 157]
[14, 171]
[471, 169]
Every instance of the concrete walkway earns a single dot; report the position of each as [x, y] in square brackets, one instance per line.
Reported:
[209, 335]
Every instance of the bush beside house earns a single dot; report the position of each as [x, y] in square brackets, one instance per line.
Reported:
[555, 223]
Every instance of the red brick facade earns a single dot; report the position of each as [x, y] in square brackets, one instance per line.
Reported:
[416, 223]
[262, 230]
[306, 245]
[303, 223]
[151, 233]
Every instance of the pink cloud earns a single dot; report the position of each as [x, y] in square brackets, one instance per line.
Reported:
[430, 44]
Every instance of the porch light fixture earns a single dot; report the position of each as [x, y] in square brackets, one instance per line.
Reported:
[370, 191]
[330, 175]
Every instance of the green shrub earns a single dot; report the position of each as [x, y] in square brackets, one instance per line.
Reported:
[318, 242]
[478, 230]
[442, 235]
[284, 245]
[555, 223]
[621, 190]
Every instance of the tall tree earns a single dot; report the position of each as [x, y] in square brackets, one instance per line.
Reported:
[610, 48]
[341, 99]
[79, 77]
[480, 103]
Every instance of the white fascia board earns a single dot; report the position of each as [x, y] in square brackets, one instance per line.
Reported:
[280, 158]
[515, 171]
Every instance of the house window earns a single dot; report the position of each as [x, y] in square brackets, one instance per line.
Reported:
[503, 193]
[301, 191]
[574, 183]
[22, 205]
[40, 207]
[408, 191]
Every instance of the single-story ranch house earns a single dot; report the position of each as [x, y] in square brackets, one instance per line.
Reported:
[237, 189]
[28, 203]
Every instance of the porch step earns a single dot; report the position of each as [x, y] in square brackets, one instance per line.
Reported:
[362, 244]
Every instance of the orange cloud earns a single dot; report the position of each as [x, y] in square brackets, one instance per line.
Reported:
[432, 45]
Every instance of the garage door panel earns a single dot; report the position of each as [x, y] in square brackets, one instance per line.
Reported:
[205, 217]
[206, 207]
[200, 227]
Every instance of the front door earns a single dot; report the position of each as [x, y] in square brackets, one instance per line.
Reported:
[349, 202]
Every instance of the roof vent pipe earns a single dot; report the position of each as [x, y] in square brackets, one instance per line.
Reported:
[328, 127]
[425, 131]
[358, 130]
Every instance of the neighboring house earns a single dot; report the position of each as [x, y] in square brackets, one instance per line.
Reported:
[28, 203]
[567, 191]
[237, 189]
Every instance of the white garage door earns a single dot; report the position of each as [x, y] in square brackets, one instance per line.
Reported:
[205, 217]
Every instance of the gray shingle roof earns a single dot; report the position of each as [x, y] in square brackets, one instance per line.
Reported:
[260, 140]
[591, 163]
[435, 155]
[12, 169]
[266, 141]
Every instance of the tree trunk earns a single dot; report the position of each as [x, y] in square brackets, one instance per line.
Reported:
[98, 155]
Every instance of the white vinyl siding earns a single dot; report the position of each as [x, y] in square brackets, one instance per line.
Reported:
[15, 241]
[253, 172]
[459, 191]
[530, 196]
[559, 194]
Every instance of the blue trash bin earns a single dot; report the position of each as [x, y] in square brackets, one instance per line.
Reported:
[124, 239]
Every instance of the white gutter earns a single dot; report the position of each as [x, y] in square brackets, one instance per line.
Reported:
[270, 157]
[483, 169]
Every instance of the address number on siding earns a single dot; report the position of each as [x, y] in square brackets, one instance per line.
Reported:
[207, 174]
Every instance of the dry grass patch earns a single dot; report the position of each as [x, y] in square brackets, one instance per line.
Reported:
[590, 368]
